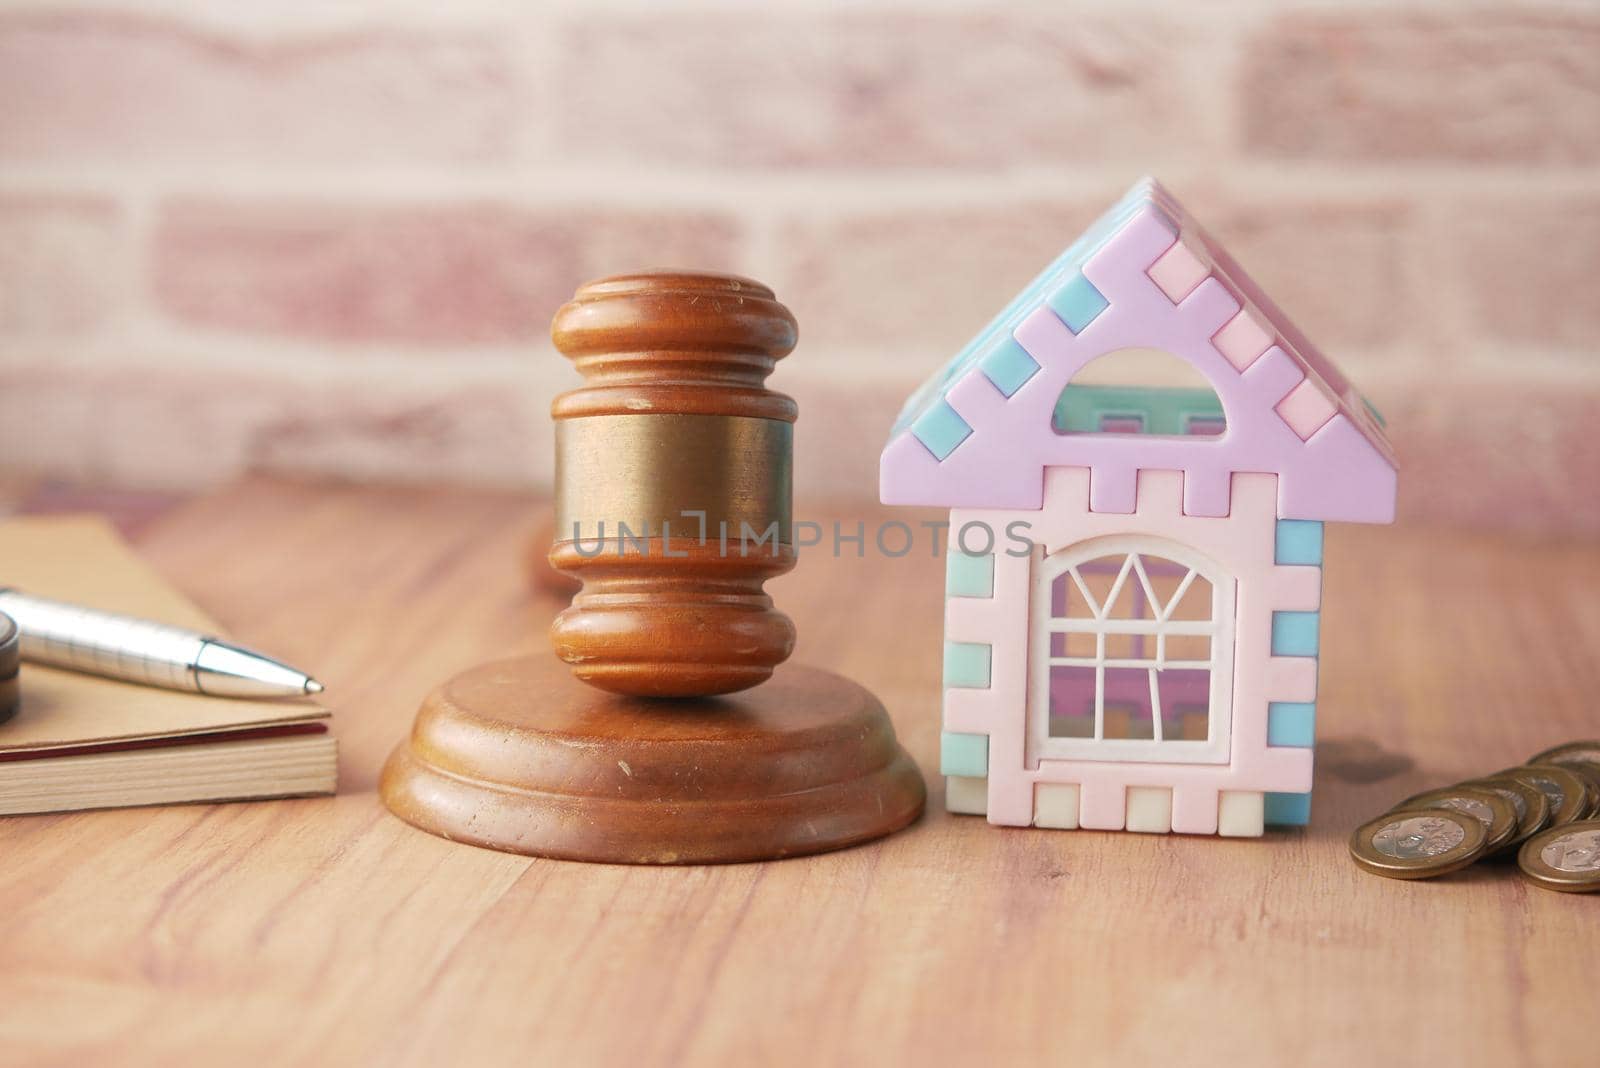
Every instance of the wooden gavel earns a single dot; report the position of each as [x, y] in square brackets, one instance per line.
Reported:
[672, 507]
[673, 483]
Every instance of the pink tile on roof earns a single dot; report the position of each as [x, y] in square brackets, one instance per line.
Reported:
[1178, 271]
[1242, 339]
[1307, 408]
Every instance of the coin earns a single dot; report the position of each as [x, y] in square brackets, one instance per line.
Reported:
[1589, 772]
[1567, 793]
[1489, 808]
[1560, 754]
[1533, 811]
[1564, 858]
[1418, 843]
[1583, 757]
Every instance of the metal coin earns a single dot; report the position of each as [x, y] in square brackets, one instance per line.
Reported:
[1418, 843]
[1588, 771]
[1493, 810]
[1533, 811]
[1564, 858]
[1560, 754]
[1567, 793]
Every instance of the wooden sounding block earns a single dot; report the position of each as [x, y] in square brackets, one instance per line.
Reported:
[671, 735]
[519, 755]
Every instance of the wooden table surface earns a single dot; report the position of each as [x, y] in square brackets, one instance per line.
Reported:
[326, 931]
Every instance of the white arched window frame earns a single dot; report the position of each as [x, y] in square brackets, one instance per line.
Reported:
[1219, 628]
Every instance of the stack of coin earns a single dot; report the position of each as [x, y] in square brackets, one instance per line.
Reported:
[1545, 813]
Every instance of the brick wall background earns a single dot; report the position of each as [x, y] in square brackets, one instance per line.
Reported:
[328, 238]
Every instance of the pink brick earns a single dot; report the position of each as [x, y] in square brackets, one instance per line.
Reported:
[844, 421]
[906, 87]
[1178, 271]
[915, 281]
[1496, 453]
[98, 86]
[61, 264]
[165, 423]
[1336, 267]
[1306, 408]
[1528, 271]
[412, 274]
[1243, 338]
[1493, 86]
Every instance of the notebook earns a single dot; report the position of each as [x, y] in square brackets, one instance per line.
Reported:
[79, 741]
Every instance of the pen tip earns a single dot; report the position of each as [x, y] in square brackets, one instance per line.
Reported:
[313, 686]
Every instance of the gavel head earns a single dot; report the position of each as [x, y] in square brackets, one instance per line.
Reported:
[673, 483]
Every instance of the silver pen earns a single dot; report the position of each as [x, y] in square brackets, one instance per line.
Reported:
[137, 650]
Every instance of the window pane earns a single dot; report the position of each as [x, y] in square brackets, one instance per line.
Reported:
[1075, 644]
[1071, 701]
[1165, 577]
[1130, 601]
[1129, 723]
[1187, 647]
[1128, 704]
[1131, 646]
[1196, 602]
[1185, 701]
[1099, 575]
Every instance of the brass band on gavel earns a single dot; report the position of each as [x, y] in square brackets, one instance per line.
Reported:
[673, 484]
[676, 477]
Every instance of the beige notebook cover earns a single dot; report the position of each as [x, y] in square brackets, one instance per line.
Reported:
[82, 559]
[79, 741]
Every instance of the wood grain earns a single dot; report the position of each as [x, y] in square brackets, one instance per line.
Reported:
[327, 931]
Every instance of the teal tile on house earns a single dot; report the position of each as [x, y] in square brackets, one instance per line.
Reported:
[1294, 633]
[1299, 541]
[1008, 366]
[968, 576]
[963, 754]
[941, 429]
[1077, 303]
[1286, 810]
[1292, 723]
[966, 664]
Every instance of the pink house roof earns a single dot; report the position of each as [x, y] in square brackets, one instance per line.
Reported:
[980, 433]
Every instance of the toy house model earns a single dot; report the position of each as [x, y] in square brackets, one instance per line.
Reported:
[1135, 574]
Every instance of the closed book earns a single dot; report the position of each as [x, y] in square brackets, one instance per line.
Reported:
[81, 741]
